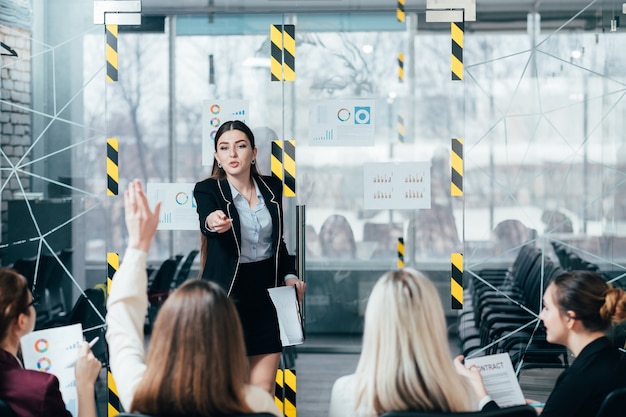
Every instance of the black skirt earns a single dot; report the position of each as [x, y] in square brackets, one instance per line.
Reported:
[256, 310]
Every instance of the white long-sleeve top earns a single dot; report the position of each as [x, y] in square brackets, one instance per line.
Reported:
[126, 310]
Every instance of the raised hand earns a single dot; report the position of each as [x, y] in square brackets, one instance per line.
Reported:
[141, 222]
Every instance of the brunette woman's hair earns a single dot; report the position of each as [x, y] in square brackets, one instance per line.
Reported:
[196, 362]
[14, 299]
[592, 300]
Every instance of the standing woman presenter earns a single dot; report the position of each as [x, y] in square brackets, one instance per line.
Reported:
[243, 250]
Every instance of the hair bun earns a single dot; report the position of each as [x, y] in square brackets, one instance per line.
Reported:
[614, 307]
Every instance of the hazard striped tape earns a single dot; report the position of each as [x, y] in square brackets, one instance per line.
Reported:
[400, 12]
[285, 392]
[111, 53]
[114, 406]
[113, 399]
[283, 165]
[456, 165]
[400, 252]
[456, 281]
[283, 52]
[401, 129]
[113, 171]
[457, 35]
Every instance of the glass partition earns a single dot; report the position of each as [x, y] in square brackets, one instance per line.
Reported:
[541, 117]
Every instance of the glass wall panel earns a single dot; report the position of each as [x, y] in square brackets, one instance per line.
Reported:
[541, 117]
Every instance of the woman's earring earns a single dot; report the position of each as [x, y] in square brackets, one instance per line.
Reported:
[219, 165]
[253, 161]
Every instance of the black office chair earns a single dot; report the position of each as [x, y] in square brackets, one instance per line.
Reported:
[185, 268]
[614, 404]
[5, 410]
[517, 411]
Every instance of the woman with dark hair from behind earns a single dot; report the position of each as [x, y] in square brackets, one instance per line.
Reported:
[405, 362]
[578, 308]
[196, 363]
[32, 393]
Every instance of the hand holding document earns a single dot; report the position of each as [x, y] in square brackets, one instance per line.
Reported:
[50, 350]
[285, 300]
[91, 344]
[499, 378]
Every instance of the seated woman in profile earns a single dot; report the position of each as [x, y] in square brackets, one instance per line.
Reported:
[578, 307]
[196, 363]
[32, 393]
[405, 363]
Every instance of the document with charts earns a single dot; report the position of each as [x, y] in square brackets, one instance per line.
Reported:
[499, 379]
[53, 351]
[289, 318]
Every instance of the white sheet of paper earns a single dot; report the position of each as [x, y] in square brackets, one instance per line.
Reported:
[499, 379]
[178, 206]
[51, 350]
[289, 320]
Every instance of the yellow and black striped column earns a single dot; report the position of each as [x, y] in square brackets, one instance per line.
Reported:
[400, 13]
[456, 165]
[113, 264]
[285, 392]
[401, 67]
[457, 34]
[283, 52]
[401, 131]
[111, 53]
[400, 252]
[113, 174]
[456, 281]
[114, 406]
[283, 165]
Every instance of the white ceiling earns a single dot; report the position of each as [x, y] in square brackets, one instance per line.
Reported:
[483, 6]
[590, 14]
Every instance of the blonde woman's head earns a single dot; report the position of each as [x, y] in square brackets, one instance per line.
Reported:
[406, 362]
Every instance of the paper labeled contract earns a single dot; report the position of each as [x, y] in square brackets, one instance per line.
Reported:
[51, 351]
[285, 300]
[499, 379]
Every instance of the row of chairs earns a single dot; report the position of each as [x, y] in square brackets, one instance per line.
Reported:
[501, 312]
[47, 279]
[570, 260]
[163, 280]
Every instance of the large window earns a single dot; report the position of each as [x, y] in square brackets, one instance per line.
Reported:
[540, 118]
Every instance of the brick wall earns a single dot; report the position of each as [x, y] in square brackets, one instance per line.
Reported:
[15, 116]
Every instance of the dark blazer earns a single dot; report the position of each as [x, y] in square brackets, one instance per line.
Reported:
[29, 393]
[224, 249]
[580, 389]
